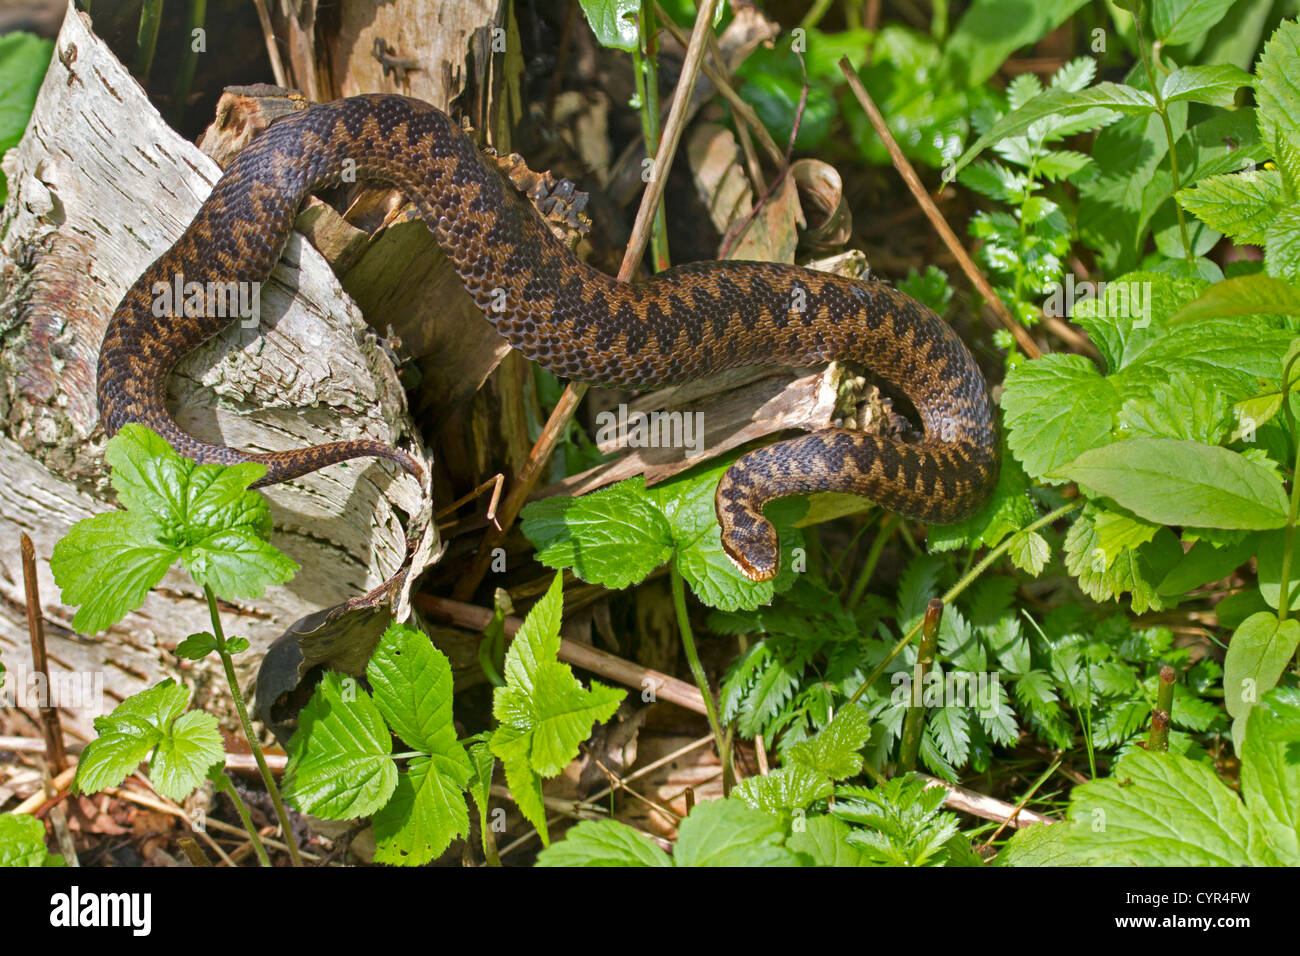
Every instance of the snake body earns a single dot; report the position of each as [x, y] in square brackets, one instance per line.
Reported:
[681, 325]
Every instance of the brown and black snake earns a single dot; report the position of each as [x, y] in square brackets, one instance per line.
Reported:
[681, 325]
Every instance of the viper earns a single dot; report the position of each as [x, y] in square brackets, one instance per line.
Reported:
[684, 323]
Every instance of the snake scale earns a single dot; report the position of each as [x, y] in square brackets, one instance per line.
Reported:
[681, 325]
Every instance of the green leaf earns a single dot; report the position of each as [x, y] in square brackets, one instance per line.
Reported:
[833, 750]
[824, 839]
[613, 537]
[729, 833]
[1029, 552]
[1175, 482]
[1178, 21]
[412, 686]
[1038, 845]
[128, 735]
[426, 812]
[1204, 563]
[22, 838]
[340, 757]
[196, 646]
[603, 843]
[613, 22]
[792, 787]
[1270, 548]
[1137, 571]
[1245, 295]
[1278, 99]
[1159, 809]
[545, 713]
[1216, 85]
[1282, 243]
[1270, 770]
[203, 515]
[1054, 408]
[1105, 100]
[1239, 205]
[1259, 652]
[24, 59]
[191, 746]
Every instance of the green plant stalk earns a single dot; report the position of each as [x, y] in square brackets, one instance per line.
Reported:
[1293, 514]
[185, 77]
[646, 69]
[228, 663]
[873, 558]
[1163, 110]
[146, 39]
[223, 784]
[815, 14]
[1158, 739]
[966, 581]
[697, 669]
[914, 724]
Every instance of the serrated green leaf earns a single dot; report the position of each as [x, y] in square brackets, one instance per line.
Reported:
[22, 840]
[729, 833]
[191, 746]
[1175, 482]
[1240, 205]
[1200, 822]
[1038, 845]
[833, 750]
[1270, 770]
[788, 788]
[426, 811]
[614, 537]
[1216, 85]
[340, 757]
[824, 839]
[603, 843]
[1029, 552]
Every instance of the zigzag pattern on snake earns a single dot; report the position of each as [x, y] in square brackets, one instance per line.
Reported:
[683, 324]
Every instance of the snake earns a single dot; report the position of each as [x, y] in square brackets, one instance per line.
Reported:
[682, 324]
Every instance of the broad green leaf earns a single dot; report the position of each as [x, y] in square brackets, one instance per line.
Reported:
[1259, 652]
[729, 833]
[128, 735]
[1270, 770]
[613, 22]
[412, 686]
[1054, 408]
[824, 839]
[340, 757]
[603, 843]
[1029, 552]
[22, 840]
[1216, 85]
[792, 787]
[1240, 205]
[1138, 571]
[1244, 295]
[614, 537]
[1278, 100]
[1160, 809]
[196, 646]
[1041, 844]
[1204, 563]
[833, 750]
[985, 35]
[1177, 21]
[426, 812]
[108, 564]
[1175, 482]
[191, 746]
[1282, 243]
[524, 783]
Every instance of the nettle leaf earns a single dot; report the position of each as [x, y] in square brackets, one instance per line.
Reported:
[1200, 821]
[1175, 482]
[729, 833]
[545, 713]
[340, 757]
[824, 839]
[1239, 205]
[1216, 85]
[834, 750]
[604, 843]
[613, 537]
[201, 515]
[1260, 650]
[687, 503]
[792, 787]
[1055, 407]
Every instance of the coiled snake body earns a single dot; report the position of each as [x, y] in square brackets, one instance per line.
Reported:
[579, 323]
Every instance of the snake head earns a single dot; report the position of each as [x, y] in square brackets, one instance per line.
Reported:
[750, 541]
